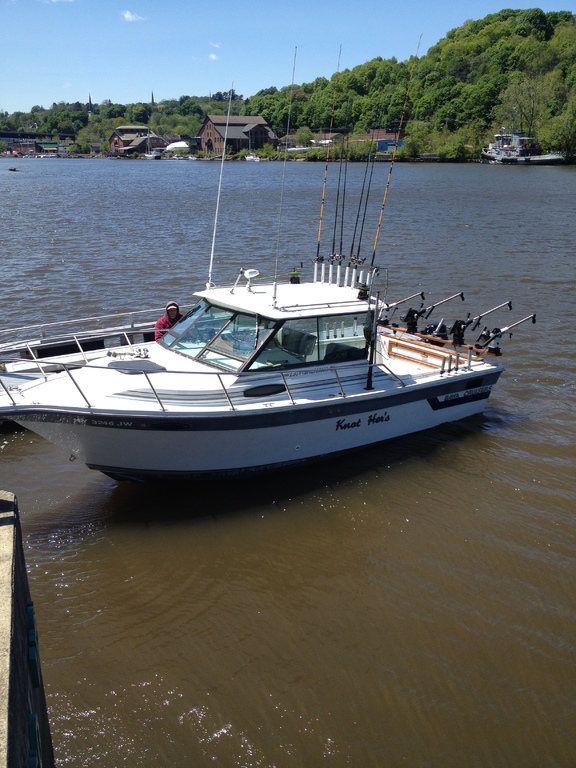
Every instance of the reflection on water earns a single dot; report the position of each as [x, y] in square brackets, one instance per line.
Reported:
[412, 604]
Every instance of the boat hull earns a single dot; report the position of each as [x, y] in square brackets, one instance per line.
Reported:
[143, 446]
[493, 158]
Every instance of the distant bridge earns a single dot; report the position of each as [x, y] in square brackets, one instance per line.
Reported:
[16, 136]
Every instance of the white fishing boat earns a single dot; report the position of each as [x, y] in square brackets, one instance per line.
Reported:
[514, 148]
[259, 376]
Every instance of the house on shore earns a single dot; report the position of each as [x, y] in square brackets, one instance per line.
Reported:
[386, 141]
[133, 140]
[327, 139]
[249, 132]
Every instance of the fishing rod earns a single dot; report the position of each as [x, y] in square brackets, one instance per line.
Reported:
[346, 155]
[394, 153]
[284, 168]
[333, 252]
[210, 284]
[363, 203]
[337, 255]
[353, 243]
[323, 200]
[371, 162]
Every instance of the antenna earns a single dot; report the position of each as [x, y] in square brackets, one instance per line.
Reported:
[284, 168]
[327, 161]
[210, 284]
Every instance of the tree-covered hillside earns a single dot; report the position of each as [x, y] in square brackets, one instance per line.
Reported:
[513, 68]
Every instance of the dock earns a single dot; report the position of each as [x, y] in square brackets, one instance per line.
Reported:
[25, 739]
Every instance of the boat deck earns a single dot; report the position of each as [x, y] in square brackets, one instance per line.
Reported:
[143, 387]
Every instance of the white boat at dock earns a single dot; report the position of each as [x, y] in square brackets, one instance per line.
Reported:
[259, 376]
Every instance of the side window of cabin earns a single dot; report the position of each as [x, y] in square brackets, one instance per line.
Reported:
[236, 342]
[328, 340]
[341, 338]
[295, 343]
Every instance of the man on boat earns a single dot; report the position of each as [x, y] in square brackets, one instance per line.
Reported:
[168, 319]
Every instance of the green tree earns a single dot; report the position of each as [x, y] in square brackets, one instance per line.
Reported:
[108, 111]
[303, 136]
[560, 133]
[138, 114]
[418, 139]
[523, 102]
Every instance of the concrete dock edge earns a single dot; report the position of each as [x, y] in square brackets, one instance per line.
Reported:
[25, 740]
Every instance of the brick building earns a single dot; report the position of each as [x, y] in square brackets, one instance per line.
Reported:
[244, 132]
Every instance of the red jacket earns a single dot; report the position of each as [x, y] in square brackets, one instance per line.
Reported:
[164, 323]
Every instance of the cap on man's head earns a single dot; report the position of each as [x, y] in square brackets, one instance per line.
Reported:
[172, 305]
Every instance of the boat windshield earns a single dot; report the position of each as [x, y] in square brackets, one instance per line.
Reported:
[218, 335]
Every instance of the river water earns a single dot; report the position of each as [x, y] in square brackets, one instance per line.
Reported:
[411, 605]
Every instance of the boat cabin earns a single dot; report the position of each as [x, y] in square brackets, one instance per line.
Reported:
[233, 337]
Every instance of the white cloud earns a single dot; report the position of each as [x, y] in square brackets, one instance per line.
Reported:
[212, 57]
[129, 16]
[215, 45]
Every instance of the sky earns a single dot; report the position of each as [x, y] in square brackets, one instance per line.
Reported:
[127, 50]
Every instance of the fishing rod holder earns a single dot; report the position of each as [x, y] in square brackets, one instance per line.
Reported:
[490, 339]
[346, 277]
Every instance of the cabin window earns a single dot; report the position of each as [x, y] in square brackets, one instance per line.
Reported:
[236, 342]
[320, 341]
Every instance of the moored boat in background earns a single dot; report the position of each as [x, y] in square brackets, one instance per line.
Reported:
[513, 148]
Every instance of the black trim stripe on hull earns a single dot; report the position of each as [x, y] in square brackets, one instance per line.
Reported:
[453, 394]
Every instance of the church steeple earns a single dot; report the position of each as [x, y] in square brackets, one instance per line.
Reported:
[90, 107]
[152, 102]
